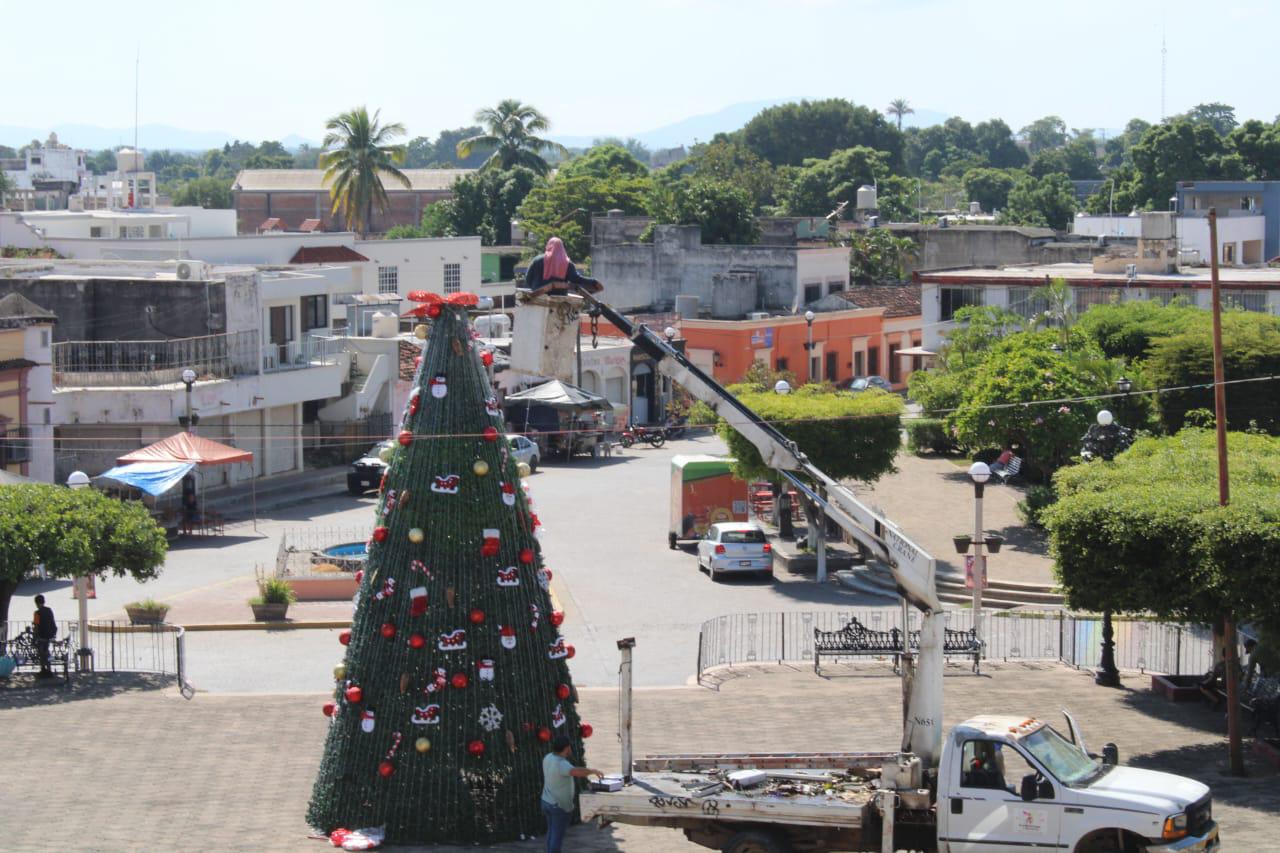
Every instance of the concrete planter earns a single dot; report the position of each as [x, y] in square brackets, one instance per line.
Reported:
[324, 587]
[1177, 688]
[146, 615]
[272, 612]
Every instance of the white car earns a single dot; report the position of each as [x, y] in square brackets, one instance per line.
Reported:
[734, 546]
[525, 450]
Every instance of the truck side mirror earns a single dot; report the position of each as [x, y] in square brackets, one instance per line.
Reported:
[1110, 754]
[1029, 787]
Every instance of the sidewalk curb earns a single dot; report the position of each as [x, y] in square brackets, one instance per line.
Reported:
[268, 626]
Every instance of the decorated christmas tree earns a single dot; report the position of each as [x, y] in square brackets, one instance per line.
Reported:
[455, 676]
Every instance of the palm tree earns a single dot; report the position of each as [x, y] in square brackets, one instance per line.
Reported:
[900, 107]
[358, 154]
[509, 131]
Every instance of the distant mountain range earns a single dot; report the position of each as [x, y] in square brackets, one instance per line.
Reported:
[155, 137]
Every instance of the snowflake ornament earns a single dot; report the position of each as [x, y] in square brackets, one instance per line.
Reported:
[490, 718]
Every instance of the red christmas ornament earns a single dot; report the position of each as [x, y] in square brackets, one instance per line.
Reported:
[459, 680]
[490, 433]
[359, 575]
[329, 709]
[476, 748]
[388, 630]
[417, 362]
[556, 618]
[380, 533]
[405, 438]
[354, 694]
[563, 691]
[345, 638]
[385, 769]
[586, 730]
[477, 616]
[433, 311]
[414, 402]
[486, 358]
[526, 555]
[417, 641]
[544, 734]
[533, 519]
[569, 650]
[546, 574]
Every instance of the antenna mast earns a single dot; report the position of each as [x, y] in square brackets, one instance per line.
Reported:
[137, 60]
[1164, 56]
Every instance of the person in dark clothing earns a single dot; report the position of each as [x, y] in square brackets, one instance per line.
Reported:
[45, 629]
[554, 272]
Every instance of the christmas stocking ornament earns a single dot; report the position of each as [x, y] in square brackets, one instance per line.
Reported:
[417, 601]
[489, 545]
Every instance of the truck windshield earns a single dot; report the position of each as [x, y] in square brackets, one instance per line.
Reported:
[1060, 757]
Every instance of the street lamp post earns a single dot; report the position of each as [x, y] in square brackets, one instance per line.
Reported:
[189, 380]
[979, 472]
[84, 655]
[808, 318]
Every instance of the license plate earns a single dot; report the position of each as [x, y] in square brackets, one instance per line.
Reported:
[366, 483]
[744, 562]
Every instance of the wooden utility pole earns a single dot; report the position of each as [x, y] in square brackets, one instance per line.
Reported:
[1230, 664]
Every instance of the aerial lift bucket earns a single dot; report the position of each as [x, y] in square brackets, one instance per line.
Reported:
[544, 338]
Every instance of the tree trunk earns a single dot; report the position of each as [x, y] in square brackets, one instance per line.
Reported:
[7, 589]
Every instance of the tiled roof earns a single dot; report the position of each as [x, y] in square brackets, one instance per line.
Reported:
[897, 301]
[17, 310]
[275, 223]
[312, 180]
[310, 225]
[408, 353]
[326, 255]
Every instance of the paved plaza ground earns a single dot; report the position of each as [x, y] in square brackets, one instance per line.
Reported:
[127, 764]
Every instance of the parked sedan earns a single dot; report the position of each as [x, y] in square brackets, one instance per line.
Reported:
[734, 547]
[366, 472]
[525, 450]
[862, 383]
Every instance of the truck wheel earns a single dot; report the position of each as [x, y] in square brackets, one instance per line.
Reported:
[756, 841]
[671, 541]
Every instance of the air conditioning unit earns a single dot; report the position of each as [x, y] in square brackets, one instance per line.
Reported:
[1131, 271]
[192, 271]
[759, 315]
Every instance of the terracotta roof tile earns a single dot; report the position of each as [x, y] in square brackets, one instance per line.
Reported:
[310, 225]
[326, 255]
[408, 353]
[897, 301]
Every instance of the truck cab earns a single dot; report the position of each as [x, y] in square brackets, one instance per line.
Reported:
[1007, 783]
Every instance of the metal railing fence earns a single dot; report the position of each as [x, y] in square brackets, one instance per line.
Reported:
[1074, 639]
[118, 646]
[151, 363]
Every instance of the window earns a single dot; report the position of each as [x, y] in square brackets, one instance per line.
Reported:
[997, 766]
[388, 279]
[95, 231]
[781, 364]
[834, 287]
[859, 363]
[44, 337]
[36, 160]
[742, 537]
[1086, 297]
[155, 231]
[315, 312]
[954, 298]
[894, 373]
[132, 232]
[1165, 295]
[1024, 302]
[1228, 254]
[1249, 300]
[17, 446]
[873, 361]
[812, 293]
[452, 278]
[831, 367]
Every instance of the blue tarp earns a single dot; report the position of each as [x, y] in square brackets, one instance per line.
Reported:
[154, 478]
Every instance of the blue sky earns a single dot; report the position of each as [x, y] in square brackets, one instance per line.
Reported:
[266, 69]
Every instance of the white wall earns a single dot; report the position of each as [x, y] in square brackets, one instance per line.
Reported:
[827, 266]
[36, 347]
[420, 263]
[1193, 234]
[1109, 226]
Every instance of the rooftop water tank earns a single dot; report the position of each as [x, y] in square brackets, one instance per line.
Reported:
[866, 197]
[129, 160]
[687, 306]
[385, 324]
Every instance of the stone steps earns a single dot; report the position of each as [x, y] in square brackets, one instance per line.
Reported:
[875, 579]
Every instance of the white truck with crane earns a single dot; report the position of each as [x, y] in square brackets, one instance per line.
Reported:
[996, 783]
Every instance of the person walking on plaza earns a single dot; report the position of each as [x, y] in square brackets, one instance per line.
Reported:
[558, 774]
[45, 629]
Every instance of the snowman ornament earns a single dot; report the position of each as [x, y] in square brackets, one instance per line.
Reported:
[439, 385]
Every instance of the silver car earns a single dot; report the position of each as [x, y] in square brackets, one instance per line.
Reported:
[734, 546]
[524, 450]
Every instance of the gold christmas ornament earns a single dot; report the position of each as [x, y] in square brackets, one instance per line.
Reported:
[511, 741]
[523, 469]
[422, 745]
[449, 595]
[405, 679]
[416, 536]
[340, 672]
[480, 467]
[420, 331]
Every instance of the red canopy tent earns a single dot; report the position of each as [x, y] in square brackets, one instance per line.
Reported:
[198, 450]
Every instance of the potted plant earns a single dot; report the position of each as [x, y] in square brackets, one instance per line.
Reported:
[146, 612]
[273, 599]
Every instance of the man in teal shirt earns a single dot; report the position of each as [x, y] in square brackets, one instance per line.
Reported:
[558, 774]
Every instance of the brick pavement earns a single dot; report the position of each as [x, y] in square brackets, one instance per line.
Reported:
[132, 766]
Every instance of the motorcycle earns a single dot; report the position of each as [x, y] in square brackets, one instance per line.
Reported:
[676, 428]
[656, 436]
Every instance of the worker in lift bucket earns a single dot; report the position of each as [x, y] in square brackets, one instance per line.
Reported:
[554, 273]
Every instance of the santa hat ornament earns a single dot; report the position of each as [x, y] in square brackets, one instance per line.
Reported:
[439, 385]
[508, 635]
[366, 720]
[417, 601]
[489, 545]
[508, 493]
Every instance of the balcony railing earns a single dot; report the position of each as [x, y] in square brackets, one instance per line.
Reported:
[152, 363]
[310, 351]
[15, 446]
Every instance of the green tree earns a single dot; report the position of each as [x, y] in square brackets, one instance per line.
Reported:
[1220, 117]
[995, 141]
[1175, 151]
[632, 146]
[306, 157]
[1127, 330]
[1048, 202]
[724, 159]
[817, 187]
[896, 198]
[789, 134]
[1045, 133]
[876, 256]
[464, 649]
[483, 204]
[6, 186]
[848, 436]
[510, 131]
[1258, 145]
[1117, 147]
[269, 161]
[74, 532]
[603, 161]
[210, 193]
[722, 210]
[898, 108]
[989, 187]
[563, 207]
[359, 153]
[104, 161]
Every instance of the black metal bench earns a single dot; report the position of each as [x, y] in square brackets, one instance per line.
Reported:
[857, 640]
[25, 650]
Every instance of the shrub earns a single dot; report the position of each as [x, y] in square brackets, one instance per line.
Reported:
[928, 435]
[150, 604]
[1032, 507]
[274, 591]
